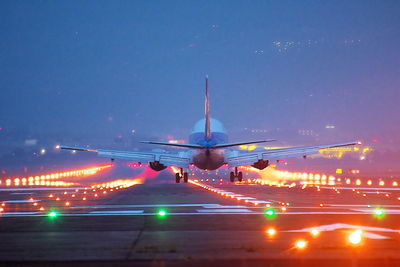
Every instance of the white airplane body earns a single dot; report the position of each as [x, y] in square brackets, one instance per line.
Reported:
[208, 149]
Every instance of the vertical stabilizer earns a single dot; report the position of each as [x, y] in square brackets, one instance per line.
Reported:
[207, 128]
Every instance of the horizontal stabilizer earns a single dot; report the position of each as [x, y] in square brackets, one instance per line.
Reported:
[78, 148]
[241, 143]
[171, 144]
[207, 146]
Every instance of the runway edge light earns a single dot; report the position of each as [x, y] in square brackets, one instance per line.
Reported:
[270, 213]
[162, 213]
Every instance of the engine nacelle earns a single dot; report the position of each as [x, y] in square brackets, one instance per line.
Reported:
[157, 166]
[261, 164]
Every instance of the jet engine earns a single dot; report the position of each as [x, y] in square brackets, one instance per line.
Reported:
[261, 164]
[157, 166]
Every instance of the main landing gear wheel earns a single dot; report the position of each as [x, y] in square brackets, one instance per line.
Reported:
[232, 177]
[240, 176]
[181, 175]
[177, 178]
[236, 174]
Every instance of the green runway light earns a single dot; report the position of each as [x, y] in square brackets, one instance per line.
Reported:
[161, 213]
[379, 212]
[270, 213]
[53, 214]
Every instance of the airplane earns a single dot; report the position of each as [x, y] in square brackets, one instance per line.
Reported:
[208, 149]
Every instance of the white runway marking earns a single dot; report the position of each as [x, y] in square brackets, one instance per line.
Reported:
[206, 206]
[339, 226]
[20, 201]
[114, 212]
[225, 210]
[371, 211]
[198, 212]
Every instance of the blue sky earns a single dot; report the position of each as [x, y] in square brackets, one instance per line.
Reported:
[73, 65]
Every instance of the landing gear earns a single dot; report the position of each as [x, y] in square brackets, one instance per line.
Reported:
[236, 174]
[180, 175]
[240, 176]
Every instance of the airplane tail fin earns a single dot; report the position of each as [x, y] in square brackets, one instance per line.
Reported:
[207, 128]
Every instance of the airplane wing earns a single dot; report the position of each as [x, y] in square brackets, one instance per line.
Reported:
[235, 158]
[181, 159]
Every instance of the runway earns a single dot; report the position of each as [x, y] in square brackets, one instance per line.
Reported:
[204, 222]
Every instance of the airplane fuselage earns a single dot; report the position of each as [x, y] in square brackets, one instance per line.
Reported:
[208, 159]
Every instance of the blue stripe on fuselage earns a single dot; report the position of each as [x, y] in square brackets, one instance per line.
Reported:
[218, 133]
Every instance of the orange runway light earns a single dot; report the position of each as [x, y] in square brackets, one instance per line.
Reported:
[300, 244]
[314, 232]
[271, 232]
[355, 237]
[41, 209]
[67, 203]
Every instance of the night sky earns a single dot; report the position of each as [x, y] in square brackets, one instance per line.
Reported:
[91, 67]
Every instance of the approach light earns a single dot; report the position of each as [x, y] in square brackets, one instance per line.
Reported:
[300, 244]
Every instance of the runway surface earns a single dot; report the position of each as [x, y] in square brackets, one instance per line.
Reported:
[203, 222]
